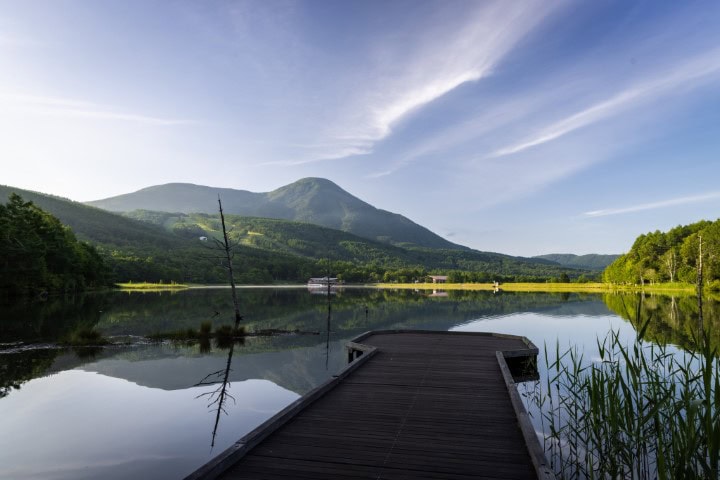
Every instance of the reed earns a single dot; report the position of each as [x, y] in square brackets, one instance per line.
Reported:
[640, 411]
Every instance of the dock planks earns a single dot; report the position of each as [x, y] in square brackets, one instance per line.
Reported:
[425, 405]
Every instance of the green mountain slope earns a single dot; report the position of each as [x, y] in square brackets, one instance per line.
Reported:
[312, 200]
[592, 261]
[93, 224]
[314, 242]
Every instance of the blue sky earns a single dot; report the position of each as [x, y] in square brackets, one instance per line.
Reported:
[518, 127]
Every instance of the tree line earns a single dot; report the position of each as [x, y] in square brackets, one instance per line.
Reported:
[673, 256]
[39, 254]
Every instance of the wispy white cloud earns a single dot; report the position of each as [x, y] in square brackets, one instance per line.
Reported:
[663, 83]
[73, 108]
[386, 115]
[655, 205]
[467, 150]
[382, 173]
[492, 117]
[320, 153]
[449, 57]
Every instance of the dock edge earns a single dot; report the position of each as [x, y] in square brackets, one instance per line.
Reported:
[358, 355]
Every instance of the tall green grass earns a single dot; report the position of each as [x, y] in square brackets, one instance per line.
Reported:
[638, 412]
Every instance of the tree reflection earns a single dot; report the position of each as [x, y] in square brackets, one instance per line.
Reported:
[18, 368]
[674, 319]
[217, 398]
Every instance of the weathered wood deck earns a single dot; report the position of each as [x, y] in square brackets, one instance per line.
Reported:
[428, 405]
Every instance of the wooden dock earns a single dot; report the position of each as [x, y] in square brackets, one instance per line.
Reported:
[412, 404]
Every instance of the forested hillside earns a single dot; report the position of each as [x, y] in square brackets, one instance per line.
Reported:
[358, 259]
[591, 261]
[671, 256]
[38, 254]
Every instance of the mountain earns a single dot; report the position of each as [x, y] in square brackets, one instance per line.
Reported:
[592, 261]
[161, 246]
[311, 200]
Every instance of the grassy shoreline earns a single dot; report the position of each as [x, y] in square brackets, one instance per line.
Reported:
[597, 287]
[546, 287]
[151, 286]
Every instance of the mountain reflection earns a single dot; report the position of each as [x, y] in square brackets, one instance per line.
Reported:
[294, 362]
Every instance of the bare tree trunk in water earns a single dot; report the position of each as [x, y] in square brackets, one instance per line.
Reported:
[228, 253]
[700, 284]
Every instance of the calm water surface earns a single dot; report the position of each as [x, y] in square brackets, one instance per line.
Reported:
[144, 410]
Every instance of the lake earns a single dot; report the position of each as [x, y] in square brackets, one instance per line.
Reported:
[145, 409]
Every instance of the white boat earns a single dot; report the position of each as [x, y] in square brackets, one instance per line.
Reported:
[323, 282]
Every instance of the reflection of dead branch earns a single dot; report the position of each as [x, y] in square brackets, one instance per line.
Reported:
[209, 375]
[218, 397]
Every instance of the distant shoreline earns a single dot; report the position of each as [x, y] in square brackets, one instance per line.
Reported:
[146, 286]
[545, 287]
[683, 288]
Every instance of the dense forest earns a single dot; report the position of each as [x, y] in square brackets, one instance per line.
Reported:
[673, 256]
[39, 254]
